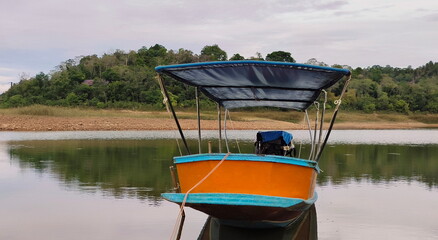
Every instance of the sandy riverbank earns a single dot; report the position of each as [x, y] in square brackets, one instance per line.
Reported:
[54, 123]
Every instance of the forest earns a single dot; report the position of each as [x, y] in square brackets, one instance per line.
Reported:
[127, 80]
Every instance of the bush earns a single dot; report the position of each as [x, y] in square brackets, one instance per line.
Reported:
[401, 106]
[16, 101]
[101, 105]
[72, 99]
[369, 108]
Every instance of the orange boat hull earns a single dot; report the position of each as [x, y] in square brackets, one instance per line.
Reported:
[249, 174]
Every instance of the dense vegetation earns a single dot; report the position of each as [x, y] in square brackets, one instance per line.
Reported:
[127, 80]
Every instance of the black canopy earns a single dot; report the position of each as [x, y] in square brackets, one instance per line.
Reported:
[235, 84]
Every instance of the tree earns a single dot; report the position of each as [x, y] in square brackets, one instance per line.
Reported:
[315, 62]
[401, 106]
[237, 57]
[182, 56]
[72, 99]
[17, 101]
[126, 79]
[258, 57]
[280, 56]
[152, 56]
[213, 53]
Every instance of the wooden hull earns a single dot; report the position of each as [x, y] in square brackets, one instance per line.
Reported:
[247, 186]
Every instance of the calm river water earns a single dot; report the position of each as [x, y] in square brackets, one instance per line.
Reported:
[107, 185]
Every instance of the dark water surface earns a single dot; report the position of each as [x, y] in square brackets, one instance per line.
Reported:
[107, 185]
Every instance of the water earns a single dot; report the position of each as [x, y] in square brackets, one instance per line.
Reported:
[107, 185]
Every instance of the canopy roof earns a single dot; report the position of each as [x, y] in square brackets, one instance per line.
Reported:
[235, 84]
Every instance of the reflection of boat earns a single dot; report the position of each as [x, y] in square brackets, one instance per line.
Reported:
[303, 227]
[264, 187]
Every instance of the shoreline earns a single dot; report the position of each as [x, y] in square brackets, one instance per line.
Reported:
[55, 123]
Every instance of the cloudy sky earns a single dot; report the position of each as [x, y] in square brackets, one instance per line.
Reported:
[38, 35]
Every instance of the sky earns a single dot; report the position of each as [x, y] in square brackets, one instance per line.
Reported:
[36, 36]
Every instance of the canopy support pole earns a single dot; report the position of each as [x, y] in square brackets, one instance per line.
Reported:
[219, 127]
[169, 104]
[198, 113]
[225, 130]
[335, 113]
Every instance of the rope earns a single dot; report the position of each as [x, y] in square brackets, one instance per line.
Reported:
[315, 130]
[322, 120]
[339, 101]
[310, 132]
[335, 113]
[181, 212]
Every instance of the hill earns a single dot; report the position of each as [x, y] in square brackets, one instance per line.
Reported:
[126, 80]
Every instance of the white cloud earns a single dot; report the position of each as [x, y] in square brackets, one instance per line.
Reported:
[5, 78]
[4, 87]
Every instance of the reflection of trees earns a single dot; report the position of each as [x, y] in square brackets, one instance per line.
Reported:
[380, 163]
[139, 168]
[125, 168]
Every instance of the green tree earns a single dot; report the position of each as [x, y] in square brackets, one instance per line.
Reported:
[280, 56]
[237, 57]
[401, 106]
[258, 57]
[182, 56]
[213, 53]
[72, 99]
[17, 101]
[127, 79]
[153, 56]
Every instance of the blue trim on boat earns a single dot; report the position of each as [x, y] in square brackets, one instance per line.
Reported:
[201, 64]
[247, 157]
[238, 199]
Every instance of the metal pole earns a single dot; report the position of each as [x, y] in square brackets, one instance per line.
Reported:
[209, 147]
[225, 130]
[199, 118]
[169, 103]
[219, 127]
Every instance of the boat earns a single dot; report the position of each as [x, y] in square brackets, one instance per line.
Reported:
[272, 186]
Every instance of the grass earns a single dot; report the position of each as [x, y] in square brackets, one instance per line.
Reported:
[425, 118]
[288, 116]
[42, 110]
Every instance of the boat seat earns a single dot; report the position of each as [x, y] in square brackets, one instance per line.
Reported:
[275, 143]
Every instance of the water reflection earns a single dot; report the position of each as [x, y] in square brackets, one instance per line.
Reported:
[380, 163]
[303, 228]
[123, 169]
[364, 191]
[140, 168]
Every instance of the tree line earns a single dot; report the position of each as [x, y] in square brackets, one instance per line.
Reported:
[128, 80]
